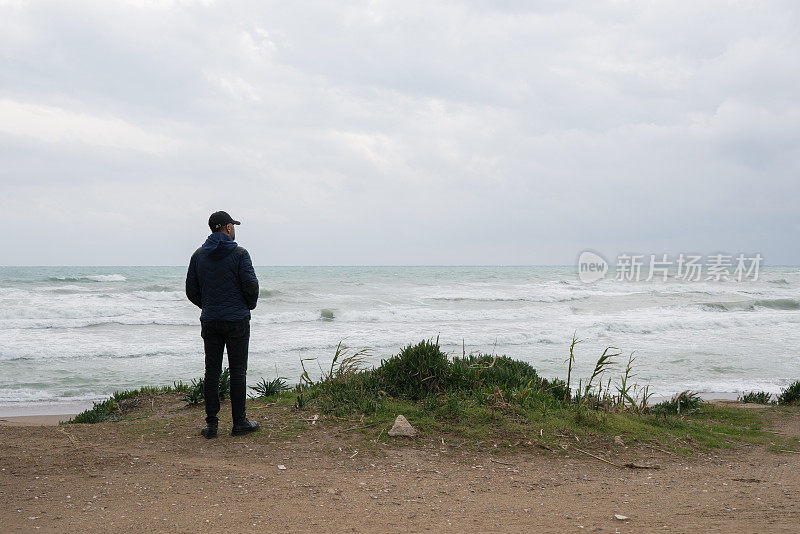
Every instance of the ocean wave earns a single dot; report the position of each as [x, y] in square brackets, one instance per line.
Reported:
[67, 323]
[270, 292]
[72, 289]
[544, 299]
[25, 397]
[719, 386]
[86, 355]
[750, 305]
[679, 322]
[68, 290]
[156, 288]
[90, 278]
[160, 295]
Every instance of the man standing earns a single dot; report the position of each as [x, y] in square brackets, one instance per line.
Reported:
[221, 281]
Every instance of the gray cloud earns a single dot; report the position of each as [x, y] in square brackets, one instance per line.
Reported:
[381, 133]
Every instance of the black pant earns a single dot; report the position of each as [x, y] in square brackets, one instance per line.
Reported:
[216, 336]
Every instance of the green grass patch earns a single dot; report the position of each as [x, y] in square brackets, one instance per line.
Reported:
[490, 399]
[710, 427]
[109, 409]
[756, 397]
[494, 398]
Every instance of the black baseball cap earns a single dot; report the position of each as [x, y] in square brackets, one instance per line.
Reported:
[219, 219]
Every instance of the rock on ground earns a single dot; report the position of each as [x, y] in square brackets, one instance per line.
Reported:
[402, 428]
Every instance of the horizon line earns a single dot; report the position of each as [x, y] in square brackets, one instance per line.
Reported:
[347, 265]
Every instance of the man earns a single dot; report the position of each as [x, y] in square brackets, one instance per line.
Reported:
[221, 281]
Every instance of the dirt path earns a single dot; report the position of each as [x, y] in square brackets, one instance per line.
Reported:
[116, 477]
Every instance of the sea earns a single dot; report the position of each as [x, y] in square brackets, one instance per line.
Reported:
[70, 336]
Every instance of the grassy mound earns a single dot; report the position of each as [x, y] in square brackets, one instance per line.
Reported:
[483, 397]
[111, 409]
[423, 373]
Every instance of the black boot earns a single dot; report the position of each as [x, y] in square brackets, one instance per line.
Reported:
[209, 431]
[245, 427]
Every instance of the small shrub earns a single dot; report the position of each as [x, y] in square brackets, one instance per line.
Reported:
[300, 401]
[791, 394]
[180, 387]
[684, 403]
[416, 372]
[592, 395]
[225, 384]
[195, 394]
[756, 397]
[273, 387]
[476, 371]
[345, 388]
[100, 412]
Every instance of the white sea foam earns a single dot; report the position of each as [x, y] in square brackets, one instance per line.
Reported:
[91, 278]
[82, 332]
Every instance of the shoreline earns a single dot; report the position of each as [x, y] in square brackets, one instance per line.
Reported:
[16, 411]
[36, 420]
[53, 414]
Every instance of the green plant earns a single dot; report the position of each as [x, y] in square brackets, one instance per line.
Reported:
[349, 363]
[571, 360]
[225, 384]
[345, 387]
[98, 413]
[625, 389]
[645, 399]
[684, 403]
[180, 387]
[195, 393]
[756, 397]
[273, 387]
[109, 409]
[416, 372]
[586, 394]
[791, 394]
[300, 400]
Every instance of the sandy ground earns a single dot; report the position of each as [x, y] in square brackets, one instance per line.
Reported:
[35, 420]
[157, 474]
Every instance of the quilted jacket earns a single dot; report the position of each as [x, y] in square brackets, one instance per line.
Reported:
[221, 280]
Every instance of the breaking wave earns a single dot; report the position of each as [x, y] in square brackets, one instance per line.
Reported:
[89, 278]
[749, 305]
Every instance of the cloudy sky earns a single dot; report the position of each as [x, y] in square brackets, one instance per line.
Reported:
[483, 132]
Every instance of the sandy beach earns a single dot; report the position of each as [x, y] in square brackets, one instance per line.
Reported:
[35, 420]
[154, 472]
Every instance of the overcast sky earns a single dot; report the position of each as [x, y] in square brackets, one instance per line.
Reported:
[349, 133]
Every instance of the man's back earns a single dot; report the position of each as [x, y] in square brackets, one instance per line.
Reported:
[221, 280]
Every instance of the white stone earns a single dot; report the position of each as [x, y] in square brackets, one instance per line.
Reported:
[402, 428]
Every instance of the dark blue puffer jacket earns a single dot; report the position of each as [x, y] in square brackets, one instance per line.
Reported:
[221, 280]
